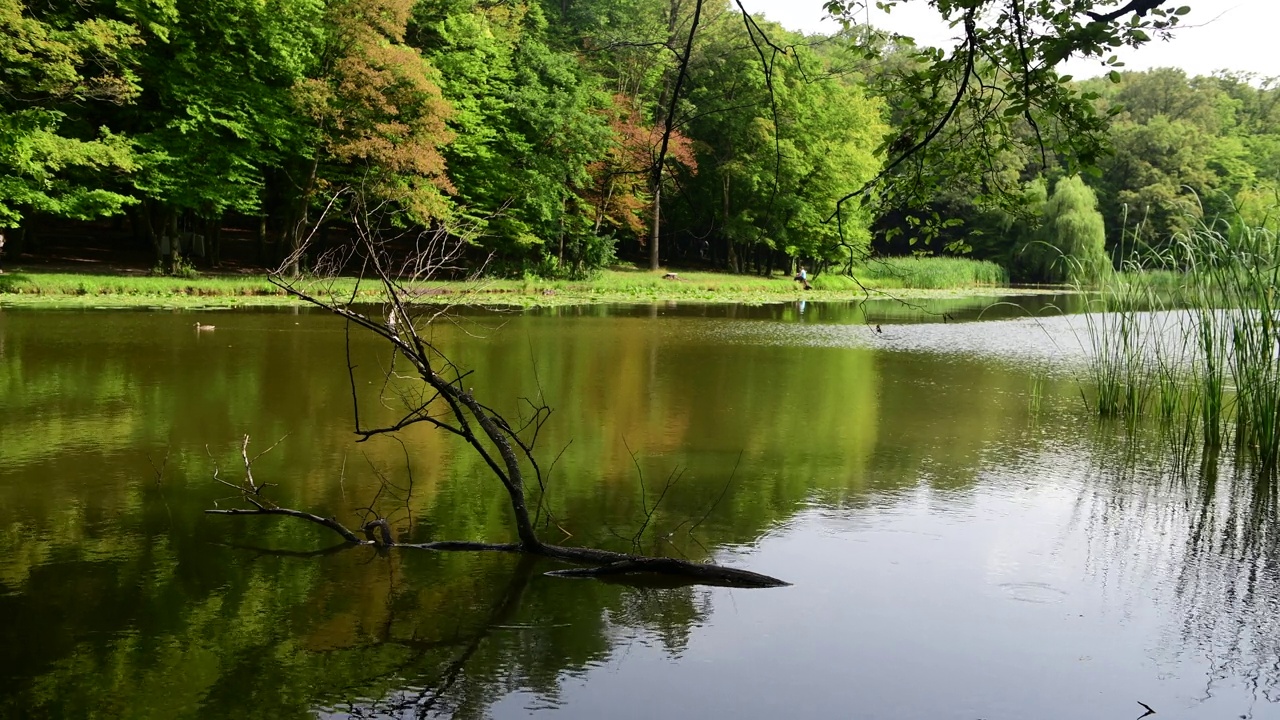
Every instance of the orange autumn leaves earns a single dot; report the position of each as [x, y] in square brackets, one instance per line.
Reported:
[379, 107]
[382, 115]
[622, 180]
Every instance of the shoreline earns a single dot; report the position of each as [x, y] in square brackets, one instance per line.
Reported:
[52, 289]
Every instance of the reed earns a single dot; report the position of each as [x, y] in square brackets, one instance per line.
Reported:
[920, 272]
[1201, 352]
[1120, 373]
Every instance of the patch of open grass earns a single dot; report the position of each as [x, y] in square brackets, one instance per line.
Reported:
[41, 283]
[920, 277]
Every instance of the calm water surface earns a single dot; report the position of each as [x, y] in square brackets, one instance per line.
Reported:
[964, 541]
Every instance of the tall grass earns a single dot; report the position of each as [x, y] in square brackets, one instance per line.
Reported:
[1120, 367]
[927, 273]
[1191, 334]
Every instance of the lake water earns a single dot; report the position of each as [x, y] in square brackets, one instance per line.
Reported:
[963, 539]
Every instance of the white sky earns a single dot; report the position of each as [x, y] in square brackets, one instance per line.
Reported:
[1218, 34]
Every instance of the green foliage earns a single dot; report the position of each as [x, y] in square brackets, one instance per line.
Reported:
[212, 124]
[1186, 150]
[960, 114]
[50, 72]
[776, 146]
[921, 272]
[1072, 242]
[528, 121]
[532, 128]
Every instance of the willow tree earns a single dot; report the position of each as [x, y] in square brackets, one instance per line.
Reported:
[1073, 238]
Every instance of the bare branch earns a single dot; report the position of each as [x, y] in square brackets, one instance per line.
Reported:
[435, 394]
[970, 46]
[330, 523]
[1139, 7]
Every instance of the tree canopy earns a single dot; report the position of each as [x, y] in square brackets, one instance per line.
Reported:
[558, 136]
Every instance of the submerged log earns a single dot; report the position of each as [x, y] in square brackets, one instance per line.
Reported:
[607, 563]
[700, 573]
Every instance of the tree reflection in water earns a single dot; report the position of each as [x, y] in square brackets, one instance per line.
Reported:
[1204, 529]
[528, 637]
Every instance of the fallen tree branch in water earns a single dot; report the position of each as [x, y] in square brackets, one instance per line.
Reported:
[330, 523]
[436, 395]
[615, 563]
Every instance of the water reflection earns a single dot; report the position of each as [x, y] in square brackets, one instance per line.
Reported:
[1206, 534]
[963, 543]
[878, 308]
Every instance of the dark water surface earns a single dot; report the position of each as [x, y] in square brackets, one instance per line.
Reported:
[964, 540]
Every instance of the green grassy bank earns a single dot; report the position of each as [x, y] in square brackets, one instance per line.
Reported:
[901, 276]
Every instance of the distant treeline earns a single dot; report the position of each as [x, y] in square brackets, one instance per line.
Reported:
[1185, 152]
[531, 129]
[228, 129]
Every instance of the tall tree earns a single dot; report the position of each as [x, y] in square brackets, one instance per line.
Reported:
[378, 114]
[776, 143]
[217, 113]
[1072, 244]
[529, 120]
[55, 60]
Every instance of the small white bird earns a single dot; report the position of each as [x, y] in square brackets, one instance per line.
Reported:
[201, 328]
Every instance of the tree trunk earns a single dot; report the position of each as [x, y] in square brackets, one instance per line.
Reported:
[563, 204]
[668, 116]
[144, 218]
[653, 232]
[213, 242]
[169, 230]
[728, 242]
[262, 239]
[297, 221]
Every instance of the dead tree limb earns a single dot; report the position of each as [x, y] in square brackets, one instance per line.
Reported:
[608, 563]
[330, 523]
[444, 402]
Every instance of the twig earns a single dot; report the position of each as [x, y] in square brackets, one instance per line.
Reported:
[672, 479]
[723, 490]
[159, 472]
[644, 501]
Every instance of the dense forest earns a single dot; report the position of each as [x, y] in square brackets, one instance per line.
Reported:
[1181, 152]
[557, 137]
